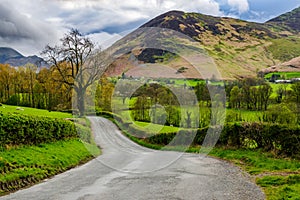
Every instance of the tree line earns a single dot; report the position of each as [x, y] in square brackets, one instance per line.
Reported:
[33, 87]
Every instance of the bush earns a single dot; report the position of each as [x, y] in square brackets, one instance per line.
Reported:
[31, 130]
[278, 138]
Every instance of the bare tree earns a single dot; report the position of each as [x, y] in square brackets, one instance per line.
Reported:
[78, 63]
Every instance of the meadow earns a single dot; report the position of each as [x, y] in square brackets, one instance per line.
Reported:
[8, 109]
[283, 75]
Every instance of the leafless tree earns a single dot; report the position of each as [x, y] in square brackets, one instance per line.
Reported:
[78, 63]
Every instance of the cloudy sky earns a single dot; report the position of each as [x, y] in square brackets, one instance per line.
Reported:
[28, 25]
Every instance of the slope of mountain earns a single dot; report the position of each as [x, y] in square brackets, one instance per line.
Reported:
[289, 66]
[14, 58]
[239, 48]
[289, 21]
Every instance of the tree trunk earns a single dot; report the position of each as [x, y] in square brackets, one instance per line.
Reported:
[81, 102]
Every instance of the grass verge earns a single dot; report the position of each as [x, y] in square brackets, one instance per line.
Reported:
[278, 177]
[26, 165]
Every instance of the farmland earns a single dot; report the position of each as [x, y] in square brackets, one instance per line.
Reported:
[8, 109]
[284, 75]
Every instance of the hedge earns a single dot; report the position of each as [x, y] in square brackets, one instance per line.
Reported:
[278, 138]
[31, 130]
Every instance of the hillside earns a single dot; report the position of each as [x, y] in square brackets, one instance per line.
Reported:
[14, 58]
[289, 66]
[239, 48]
[289, 21]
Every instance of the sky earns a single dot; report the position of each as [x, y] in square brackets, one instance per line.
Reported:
[29, 25]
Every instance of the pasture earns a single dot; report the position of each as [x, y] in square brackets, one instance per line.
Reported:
[7, 109]
[284, 75]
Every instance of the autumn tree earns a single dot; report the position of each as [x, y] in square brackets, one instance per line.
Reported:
[5, 81]
[78, 62]
[104, 94]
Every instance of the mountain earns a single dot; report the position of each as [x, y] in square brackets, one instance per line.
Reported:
[14, 58]
[238, 48]
[289, 21]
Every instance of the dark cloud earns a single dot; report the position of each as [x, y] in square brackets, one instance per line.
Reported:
[29, 25]
[19, 29]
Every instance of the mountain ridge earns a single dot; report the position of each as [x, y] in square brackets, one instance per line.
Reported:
[289, 20]
[16, 59]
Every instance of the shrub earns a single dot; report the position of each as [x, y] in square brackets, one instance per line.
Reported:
[31, 130]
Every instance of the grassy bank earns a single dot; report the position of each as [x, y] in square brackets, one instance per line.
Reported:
[26, 165]
[278, 177]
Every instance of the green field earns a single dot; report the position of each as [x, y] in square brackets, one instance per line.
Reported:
[155, 128]
[6, 109]
[284, 75]
[234, 115]
[187, 82]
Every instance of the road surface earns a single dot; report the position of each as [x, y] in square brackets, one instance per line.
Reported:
[126, 171]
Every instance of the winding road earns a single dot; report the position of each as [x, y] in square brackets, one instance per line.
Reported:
[127, 171]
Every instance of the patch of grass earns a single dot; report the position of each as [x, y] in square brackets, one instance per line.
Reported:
[186, 82]
[26, 165]
[235, 115]
[255, 161]
[273, 173]
[155, 128]
[284, 75]
[6, 109]
[285, 49]
[281, 187]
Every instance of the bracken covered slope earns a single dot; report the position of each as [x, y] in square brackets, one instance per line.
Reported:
[238, 48]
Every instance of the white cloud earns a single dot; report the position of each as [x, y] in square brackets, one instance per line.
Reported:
[241, 6]
[104, 39]
[103, 13]
[208, 7]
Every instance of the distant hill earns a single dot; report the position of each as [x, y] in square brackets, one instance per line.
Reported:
[289, 21]
[239, 48]
[16, 59]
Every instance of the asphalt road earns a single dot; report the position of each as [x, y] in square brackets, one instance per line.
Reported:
[126, 171]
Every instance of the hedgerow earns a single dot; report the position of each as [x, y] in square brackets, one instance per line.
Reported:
[277, 138]
[18, 129]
